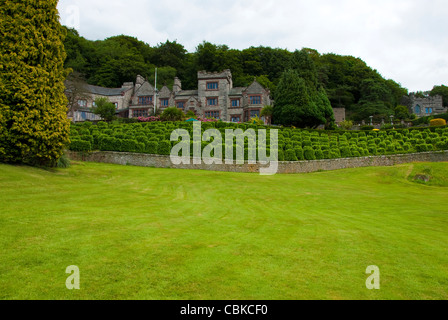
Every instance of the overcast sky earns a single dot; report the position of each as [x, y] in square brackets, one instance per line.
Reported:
[405, 40]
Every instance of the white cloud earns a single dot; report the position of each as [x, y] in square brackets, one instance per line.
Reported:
[403, 39]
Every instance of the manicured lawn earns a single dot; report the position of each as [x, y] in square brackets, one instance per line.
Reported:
[142, 233]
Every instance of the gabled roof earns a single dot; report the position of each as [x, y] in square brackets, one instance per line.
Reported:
[255, 87]
[106, 91]
[145, 90]
[165, 92]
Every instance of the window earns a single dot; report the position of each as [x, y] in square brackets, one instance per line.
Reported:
[212, 85]
[145, 100]
[418, 110]
[254, 113]
[164, 102]
[116, 104]
[235, 103]
[255, 99]
[181, 104]
[212, 114]
[236, 118]
[82, 103]
[428, 110]
[94, 104]
[139, 113]
[212, 101]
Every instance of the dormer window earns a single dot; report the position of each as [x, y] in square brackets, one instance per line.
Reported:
[212, 85]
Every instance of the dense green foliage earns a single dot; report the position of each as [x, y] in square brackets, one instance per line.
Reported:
[293, 144]
[172, 114]
[348, 81]
[33, 108]
[300, 100]
[104, 108]
[441, 91]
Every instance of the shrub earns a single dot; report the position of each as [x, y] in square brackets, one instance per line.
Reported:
[110, 144]
[319, 154]
[367, 128]
[345, 152]
[421, 148]
[164, 147]
[80, 145]
[442, 144]
[309, 153]
[172, 114]
[299, 153]
[129, 145]
[290, 155]
[437, 122]
[281, 155]
[151, 147]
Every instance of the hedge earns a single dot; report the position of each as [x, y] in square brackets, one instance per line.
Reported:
[293, 144]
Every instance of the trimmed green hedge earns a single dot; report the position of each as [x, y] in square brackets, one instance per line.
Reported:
[293, 144]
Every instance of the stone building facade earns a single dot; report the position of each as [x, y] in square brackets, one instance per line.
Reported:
[215, 97]
[120, 97]
[427, 106]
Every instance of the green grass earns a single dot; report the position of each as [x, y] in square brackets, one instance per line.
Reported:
[143, 233]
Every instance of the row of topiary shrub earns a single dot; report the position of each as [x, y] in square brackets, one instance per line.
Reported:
[293, 144]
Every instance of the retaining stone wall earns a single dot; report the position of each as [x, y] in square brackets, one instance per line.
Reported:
[157, 161]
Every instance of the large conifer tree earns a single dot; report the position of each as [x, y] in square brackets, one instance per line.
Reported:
[33, 121]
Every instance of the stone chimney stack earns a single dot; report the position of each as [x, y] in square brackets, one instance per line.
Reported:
[177, 87]
[138, 83]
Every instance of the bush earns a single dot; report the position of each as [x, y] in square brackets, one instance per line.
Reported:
[164, 147]
[345, 152]
[290, 155]
[109, 144]
[281, 155]
[421, 148]
[129, 145]
[151, 147]
[80, 145]
[172, 114]
[437, 122]
[299, 153]
[367, 128]
[309, 153]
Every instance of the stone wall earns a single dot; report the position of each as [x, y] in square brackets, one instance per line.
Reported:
[157, 161]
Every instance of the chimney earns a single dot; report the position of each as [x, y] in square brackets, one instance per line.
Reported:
[177, 87]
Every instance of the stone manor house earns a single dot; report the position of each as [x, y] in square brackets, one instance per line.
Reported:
[427, 105]
[215, 98]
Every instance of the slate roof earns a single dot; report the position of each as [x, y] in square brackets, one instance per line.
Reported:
[187, 93]
[106, 91]
[237, 91]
